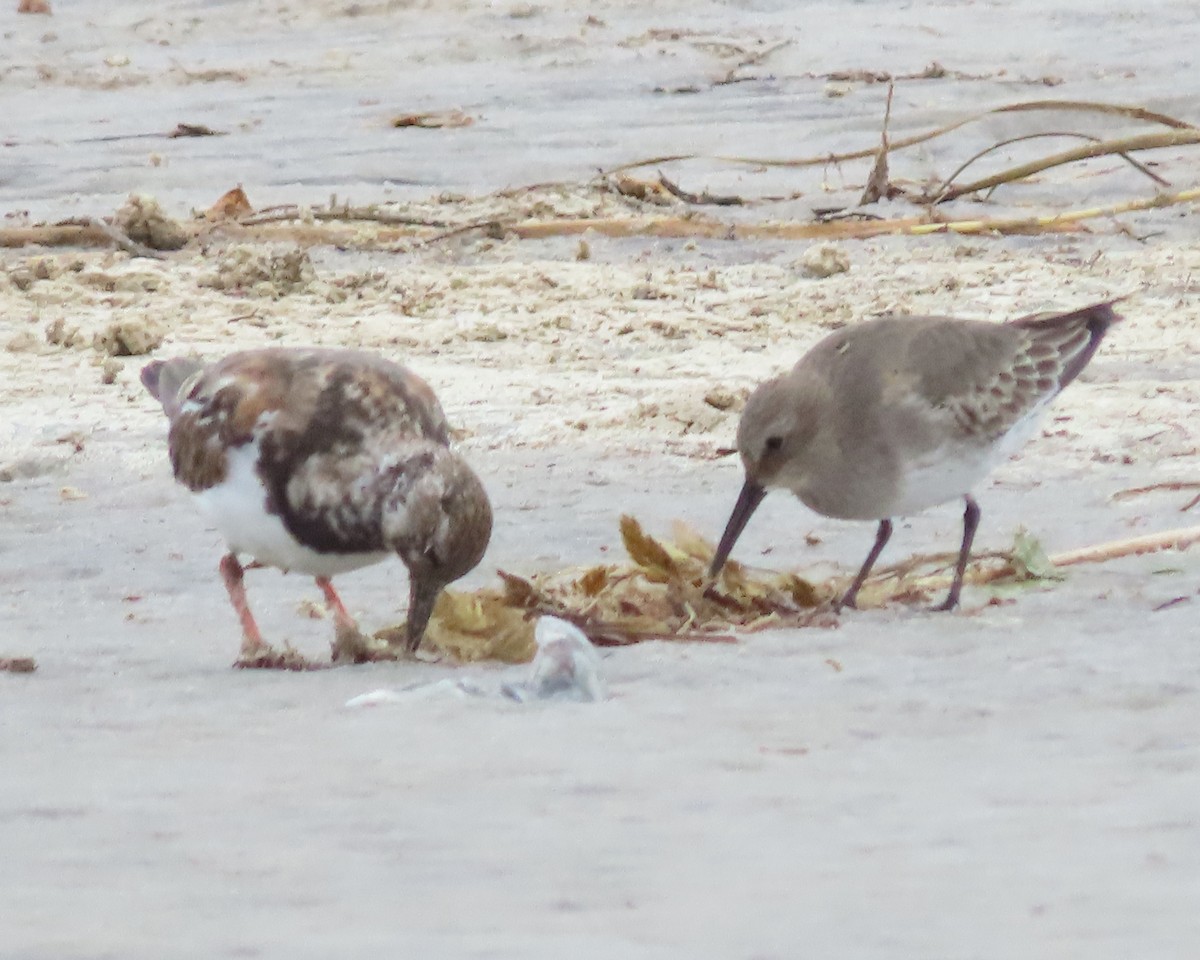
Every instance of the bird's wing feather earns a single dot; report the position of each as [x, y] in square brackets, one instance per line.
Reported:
[990, 377]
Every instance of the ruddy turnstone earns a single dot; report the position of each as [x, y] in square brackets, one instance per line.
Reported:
[322, 461]
[898, 414]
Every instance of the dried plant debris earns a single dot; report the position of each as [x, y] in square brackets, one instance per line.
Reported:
[472, 626]
[1029, 559]
[130, 337]
[823, 260]
[662, 593]
[433, 119]
[194, 130]
[143, 221]
[232, 205]
[251, 270]
[648, 191]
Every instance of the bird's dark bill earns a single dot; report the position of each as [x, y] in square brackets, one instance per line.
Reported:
[747, 502]
[421, 599]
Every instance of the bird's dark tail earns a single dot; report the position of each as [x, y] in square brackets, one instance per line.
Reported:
[1072, 337]
[165, 379]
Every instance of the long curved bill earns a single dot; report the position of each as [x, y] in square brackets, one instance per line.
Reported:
[747, 502]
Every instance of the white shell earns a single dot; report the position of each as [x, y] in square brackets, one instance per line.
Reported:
[566, 666]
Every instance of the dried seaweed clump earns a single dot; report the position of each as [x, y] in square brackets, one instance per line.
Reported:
[130, 337]
[824, 260]
[253, 271]
[143, 221]
[663, 593]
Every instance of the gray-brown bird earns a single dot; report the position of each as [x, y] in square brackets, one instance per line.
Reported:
[321, 462]
[894, 415]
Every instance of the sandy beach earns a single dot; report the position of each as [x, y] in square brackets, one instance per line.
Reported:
[1015, 779]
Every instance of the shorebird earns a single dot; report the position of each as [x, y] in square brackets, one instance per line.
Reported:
[894, 415]
[322, 462]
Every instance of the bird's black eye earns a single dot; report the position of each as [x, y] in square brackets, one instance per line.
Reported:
[774, 443]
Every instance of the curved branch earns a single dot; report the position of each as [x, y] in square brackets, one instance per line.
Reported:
[1084, 106]
[1144, 141]
[937, 196]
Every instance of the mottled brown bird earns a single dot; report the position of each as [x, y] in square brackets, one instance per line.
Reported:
[322, 462]
[894, 415]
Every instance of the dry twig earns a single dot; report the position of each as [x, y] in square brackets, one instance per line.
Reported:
[697, 198]
[936, 196]
[752, 60]
[1121, 146]
[373, 214]
[113, 235]
[1083, 106]
[1169, 485]
[879, 187]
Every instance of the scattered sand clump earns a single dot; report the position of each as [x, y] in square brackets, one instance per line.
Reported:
[823, 260]
[143, 221]
[130, 337]
[261, 272]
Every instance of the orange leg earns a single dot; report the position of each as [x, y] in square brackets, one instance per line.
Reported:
[256, 653]
[232, 572]
[349, 643]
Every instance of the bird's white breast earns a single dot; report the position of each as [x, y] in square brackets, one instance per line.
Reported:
[237, 507]
[954, 468]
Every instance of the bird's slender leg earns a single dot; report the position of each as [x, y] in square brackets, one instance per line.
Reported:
[349, 644]
[254, 647]
[850, 599]
[970, 523]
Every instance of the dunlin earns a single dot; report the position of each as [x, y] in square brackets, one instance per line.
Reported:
[322, 462]
[891, 416]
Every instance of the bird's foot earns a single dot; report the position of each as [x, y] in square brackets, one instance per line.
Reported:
[392, 643]
[262, 656]
[351, 645]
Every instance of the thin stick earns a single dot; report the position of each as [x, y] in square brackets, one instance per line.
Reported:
[938, 195]
[80, 232]
[122, 241]
[1171, 485]
[752, 60]
[698, 198]
[1058, 220]
[1145, 141]
[1179, 539]
[74, 234]
[879, 185]
[308, 234]
[1086, 106]
[979, 574]
[843, 229]
[345, 214]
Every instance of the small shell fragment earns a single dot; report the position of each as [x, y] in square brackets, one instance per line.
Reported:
[566, 666]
